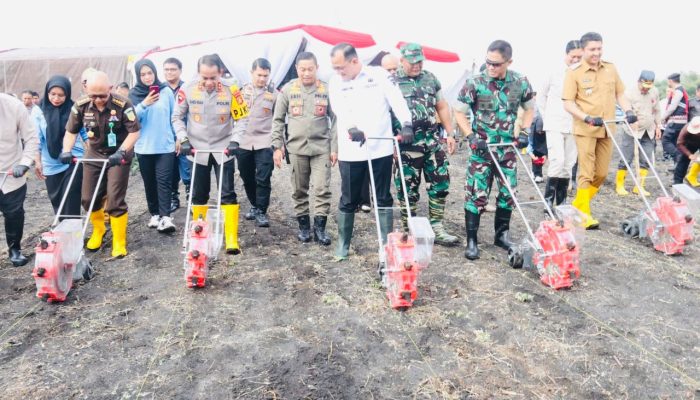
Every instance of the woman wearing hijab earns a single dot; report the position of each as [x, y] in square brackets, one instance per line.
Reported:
[155, 148]
[56, 107]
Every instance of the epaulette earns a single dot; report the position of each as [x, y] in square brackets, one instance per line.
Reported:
[118, 100]
[574, 66]
[82, 101]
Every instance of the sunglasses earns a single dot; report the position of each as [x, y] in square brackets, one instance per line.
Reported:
[97, 96]
[494, 64]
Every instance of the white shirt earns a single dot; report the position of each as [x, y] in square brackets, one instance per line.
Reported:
[364, 103]
[551, 106]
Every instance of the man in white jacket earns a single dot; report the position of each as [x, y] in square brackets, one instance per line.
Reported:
[362, 98]
[561, 146]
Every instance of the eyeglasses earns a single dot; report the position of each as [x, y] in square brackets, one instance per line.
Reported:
[490, 63]
[97, 96]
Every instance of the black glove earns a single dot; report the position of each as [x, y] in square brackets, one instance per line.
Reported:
[476, 143]
[66, 157]
[407, 134]
[357, 135]
[593, 121]
[118, 158]
[523, 139]
[231, 148]
[631, 117]
[185, 147]
[19, 170]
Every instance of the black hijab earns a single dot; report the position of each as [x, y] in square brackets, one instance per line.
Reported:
[56, 117]
[140, 90]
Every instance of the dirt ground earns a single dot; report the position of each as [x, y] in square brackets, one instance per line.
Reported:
[284, 321]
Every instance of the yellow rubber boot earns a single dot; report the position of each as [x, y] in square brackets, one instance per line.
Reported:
[119, 234]
[582, 202]
[199, 210]
[98, 230]
[620, 182]
[231, 228]
[692, 176]
[642, 178]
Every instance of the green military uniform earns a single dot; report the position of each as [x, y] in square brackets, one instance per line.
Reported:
[425, 154]
[494, 103]
[311, 137]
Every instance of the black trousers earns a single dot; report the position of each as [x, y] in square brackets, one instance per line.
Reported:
[57, 186]
[202, 182]
[682, 164]
[669, 139]
[352, 176]
[365, 190]
[12, 207]
[156, 171]
[256, 167]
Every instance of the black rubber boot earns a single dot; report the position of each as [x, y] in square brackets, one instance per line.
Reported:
[471, 222]
[501, 224]
[14, 229]
[550, 192]
[562, 187]
[320, 234]
[304, 234]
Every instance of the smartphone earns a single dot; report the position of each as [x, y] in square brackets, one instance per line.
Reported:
[154, 88]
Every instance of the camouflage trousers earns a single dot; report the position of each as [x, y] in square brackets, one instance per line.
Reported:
[480, 174]
[433, 164]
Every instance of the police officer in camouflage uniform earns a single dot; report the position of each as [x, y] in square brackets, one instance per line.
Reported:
[423, 94]
[494, 97]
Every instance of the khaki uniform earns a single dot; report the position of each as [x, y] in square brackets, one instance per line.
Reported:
[209, 122]
[254, 136]
[106, 132]
[312, 136]
[595, 90]
[648, 110]
[209, 127]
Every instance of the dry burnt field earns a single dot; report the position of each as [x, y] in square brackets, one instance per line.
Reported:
[284, 321]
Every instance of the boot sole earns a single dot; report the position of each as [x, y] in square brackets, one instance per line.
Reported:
[167, 230]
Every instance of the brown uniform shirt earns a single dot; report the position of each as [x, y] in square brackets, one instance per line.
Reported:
[595, 90]
[118, 111]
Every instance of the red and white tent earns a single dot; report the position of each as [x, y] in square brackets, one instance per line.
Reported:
[280, 46]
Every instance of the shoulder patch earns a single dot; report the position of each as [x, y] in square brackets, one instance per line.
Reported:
[181, 96]
[129, 112]
[82, 101]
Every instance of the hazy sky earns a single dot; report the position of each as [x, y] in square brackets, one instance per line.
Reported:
[633, 34]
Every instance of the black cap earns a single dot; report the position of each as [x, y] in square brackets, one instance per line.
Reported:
[675, 77]
[647, 75]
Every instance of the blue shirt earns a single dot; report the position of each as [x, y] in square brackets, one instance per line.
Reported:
[52, 166]
[157, 133]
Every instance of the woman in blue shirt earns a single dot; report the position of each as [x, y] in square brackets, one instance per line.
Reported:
[155, 147]
[56, 107]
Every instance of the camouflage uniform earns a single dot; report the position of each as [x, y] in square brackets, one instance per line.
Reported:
[494, 103]
[425, 154]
